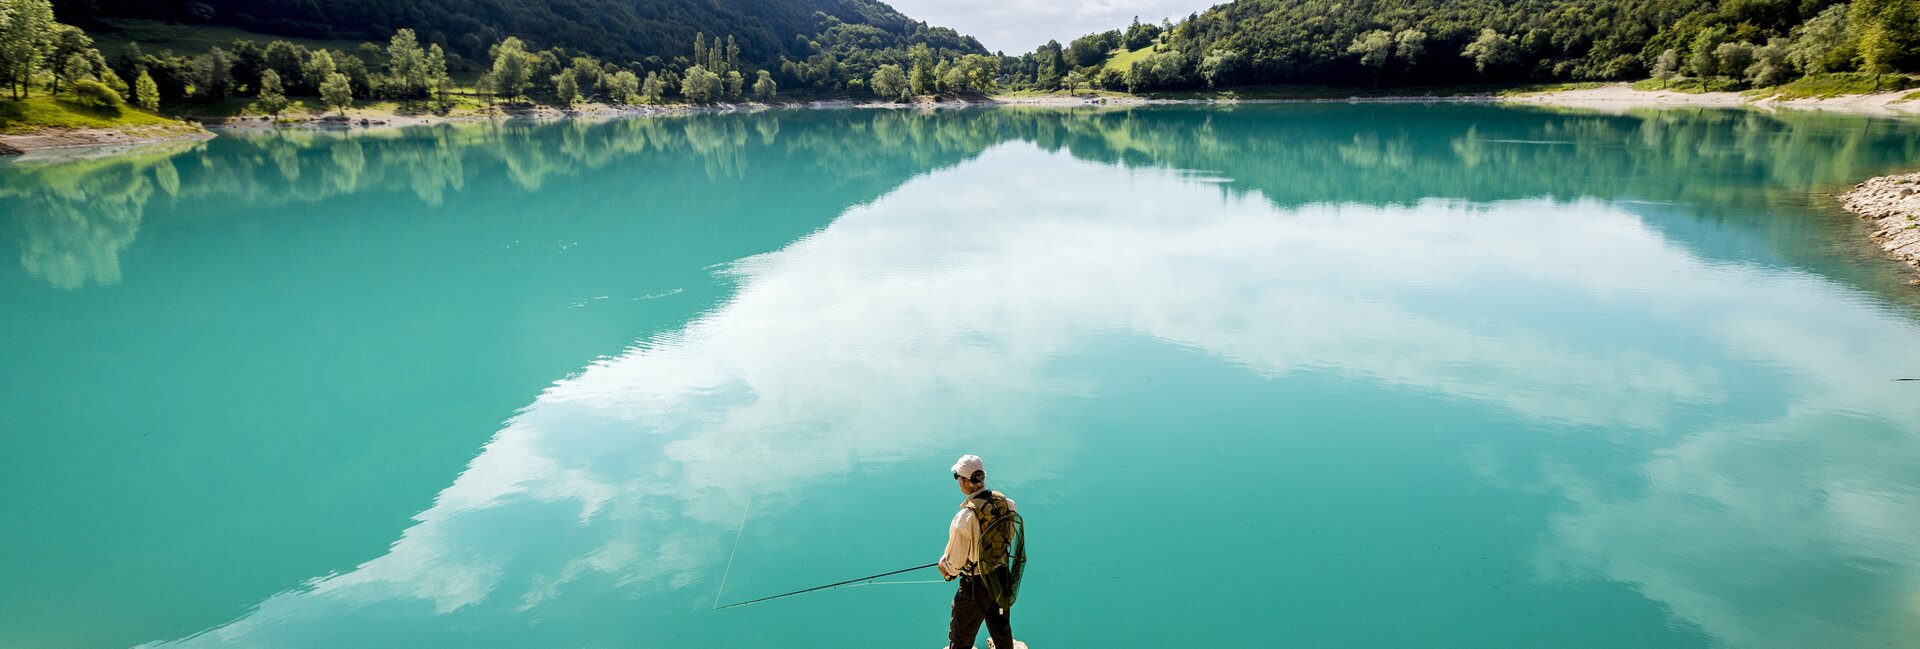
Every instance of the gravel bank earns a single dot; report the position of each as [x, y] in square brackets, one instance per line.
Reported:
[1892, 205]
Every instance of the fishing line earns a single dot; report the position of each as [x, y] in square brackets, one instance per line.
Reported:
[736, 551]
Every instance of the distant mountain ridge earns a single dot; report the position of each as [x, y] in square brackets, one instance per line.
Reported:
[613, 29]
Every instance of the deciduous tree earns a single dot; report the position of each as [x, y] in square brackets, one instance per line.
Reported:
[146, 94]
[26, 28]
[890, 83]
[272, 98]
[337, 92]
[764, 88]
[1491, 51]
[512, 67]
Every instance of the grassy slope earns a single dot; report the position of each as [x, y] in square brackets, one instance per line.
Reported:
[1826, 86]
[41, 111]
[1123, 58]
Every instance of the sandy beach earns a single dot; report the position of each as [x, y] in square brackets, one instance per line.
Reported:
[1621, 97]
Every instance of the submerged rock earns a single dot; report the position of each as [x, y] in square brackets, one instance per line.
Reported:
[1892, 204]
[1016, 645]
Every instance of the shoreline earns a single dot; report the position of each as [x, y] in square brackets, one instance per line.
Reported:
[1615, 98]
[1891, 206]
[57, 139]
[1622, 97]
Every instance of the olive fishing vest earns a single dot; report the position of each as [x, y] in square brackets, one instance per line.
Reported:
[1002, 546]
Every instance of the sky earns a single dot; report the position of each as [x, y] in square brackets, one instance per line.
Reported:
[1015, 26]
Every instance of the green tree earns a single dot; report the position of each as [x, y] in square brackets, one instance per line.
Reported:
[923, 80]
[213, 74]
[1375, 49]
[590, 74]
[67, 50]
[1733, 58]
[1878, 48]
[1408, 45]
[318, 67]
[653, 89]
[74, 69]
[983, 72]
[764, 88]
[512, 67]
[1822, 44]
[890, 83]
[146, 94]
[291, 62]
[1704, 62]
[107, 76]
[1491, 51]
[406, 66]
[1219, 65]
[439, 83]
[1072, 81]
[1886, 32]
[701, 86]
[26, 28]
[272, 98]
[337, 92]
[1770, 66]
[736, 84]
[1159, 70]
[1055, 64]
[623, 87]
[365, 83]
[1140, 35]
[566, 88]
[248, 61]
[1667, 65]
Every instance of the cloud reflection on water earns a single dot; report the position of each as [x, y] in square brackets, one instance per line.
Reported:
[924, 313]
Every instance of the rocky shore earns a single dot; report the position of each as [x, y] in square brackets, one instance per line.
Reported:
[65, 138]
[1892, 205]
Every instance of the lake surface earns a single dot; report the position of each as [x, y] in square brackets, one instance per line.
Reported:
[1278, 375]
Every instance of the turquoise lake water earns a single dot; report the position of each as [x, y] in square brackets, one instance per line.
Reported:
[1277, 375]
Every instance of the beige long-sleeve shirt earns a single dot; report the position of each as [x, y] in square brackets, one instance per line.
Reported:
[963, 552]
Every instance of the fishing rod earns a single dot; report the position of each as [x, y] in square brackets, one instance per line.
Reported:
[839, 583]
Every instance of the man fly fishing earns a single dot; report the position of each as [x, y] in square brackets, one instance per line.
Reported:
[986, 549]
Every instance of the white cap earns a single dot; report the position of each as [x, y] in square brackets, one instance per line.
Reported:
[967, 465]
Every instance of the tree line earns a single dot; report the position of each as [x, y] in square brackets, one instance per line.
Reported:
[38, 52]
[652, 32]
[844, 59]
[1746, 43]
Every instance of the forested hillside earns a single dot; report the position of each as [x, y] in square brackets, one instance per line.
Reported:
[1422, 42]
[652, 31]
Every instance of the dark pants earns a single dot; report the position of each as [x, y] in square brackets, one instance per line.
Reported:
[971, 605]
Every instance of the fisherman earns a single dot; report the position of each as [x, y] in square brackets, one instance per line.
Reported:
[972, 603]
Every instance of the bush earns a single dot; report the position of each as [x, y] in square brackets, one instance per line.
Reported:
[95, 94]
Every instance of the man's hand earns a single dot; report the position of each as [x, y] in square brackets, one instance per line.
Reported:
[943, 572]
